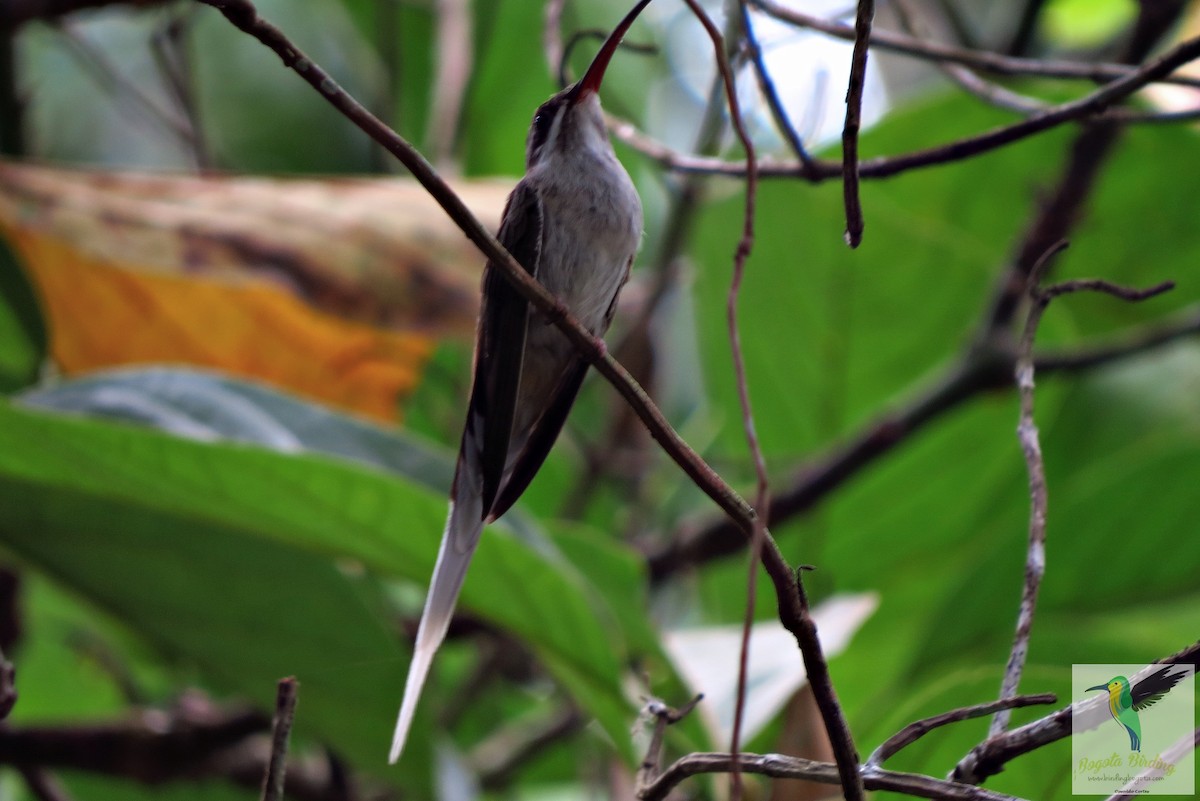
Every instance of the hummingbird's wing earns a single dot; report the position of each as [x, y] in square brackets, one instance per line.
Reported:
[541, 438]
[499, 354]
[1154, 687]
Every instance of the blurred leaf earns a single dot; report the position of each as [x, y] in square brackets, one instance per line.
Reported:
[69, 487]
[210, 407]
[22, 332]
[140, 268]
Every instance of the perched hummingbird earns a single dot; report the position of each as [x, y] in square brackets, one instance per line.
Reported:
[574, 222]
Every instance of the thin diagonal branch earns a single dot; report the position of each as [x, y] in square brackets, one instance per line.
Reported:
[766, 85]
[779, 766]
[915, 731]
[981, 370]
[1094, 104]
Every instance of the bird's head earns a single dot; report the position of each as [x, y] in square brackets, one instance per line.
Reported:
[1115, 685]
[571, 121]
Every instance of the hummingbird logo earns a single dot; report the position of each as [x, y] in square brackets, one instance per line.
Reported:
[1126, 700]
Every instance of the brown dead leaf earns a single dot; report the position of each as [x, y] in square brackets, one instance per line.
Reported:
[333, 288]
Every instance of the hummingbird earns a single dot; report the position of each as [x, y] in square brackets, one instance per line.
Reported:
[1125, 700]
[1120, 706]
[574, 222]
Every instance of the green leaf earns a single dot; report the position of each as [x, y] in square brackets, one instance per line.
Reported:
[22, 331]
[154, 496]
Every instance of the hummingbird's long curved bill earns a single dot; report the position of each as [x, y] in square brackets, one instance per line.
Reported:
[525, 383]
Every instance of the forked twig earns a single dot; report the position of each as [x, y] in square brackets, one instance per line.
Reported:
[1035, 559]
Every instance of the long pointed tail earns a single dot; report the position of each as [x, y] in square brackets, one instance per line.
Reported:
[458, 544]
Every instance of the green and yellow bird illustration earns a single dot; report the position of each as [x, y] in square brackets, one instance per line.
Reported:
[1120, 705]
[1125, 701]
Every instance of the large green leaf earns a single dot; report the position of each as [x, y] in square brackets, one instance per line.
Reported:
[78, 494]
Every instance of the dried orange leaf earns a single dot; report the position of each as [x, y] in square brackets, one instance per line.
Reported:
[335, 289]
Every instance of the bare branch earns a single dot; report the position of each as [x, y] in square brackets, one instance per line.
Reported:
[854, 92]
[779, 766]
[993, 63]
[281, 730]
[983, 369]
[664, 716]
[915, 731]
[766, 85]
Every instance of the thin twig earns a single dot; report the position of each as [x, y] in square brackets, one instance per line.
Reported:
[779, 766]
[762, 494]
[918, 729]
[1035, 559]
[110, 78]
[281, 731]
[172, 55]
[766, 85]
[993, 63]
[664, 716]
[854, 93]
[991, 93]
[1093, 105]
[981, 370]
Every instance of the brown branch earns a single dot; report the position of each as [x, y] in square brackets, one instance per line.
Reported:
[915, 731]
[983, 369]
[989, 757]
[854, 92]
[994, 63]
[664, 716]
[778, 766]
[281, 731]
[1092, 105]
[153, 748]
[766, 85]
[1027, 432]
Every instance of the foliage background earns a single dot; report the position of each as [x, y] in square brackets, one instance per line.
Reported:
[153, 562]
